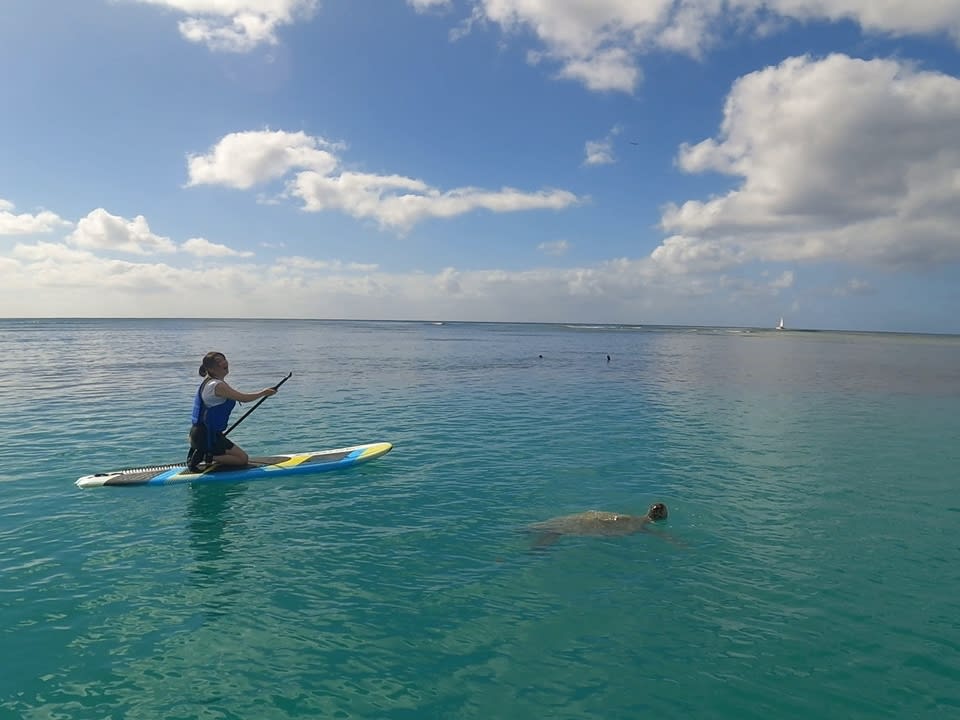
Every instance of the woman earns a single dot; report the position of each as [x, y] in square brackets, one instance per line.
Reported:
[212, 406]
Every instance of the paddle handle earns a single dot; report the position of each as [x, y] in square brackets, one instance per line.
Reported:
[243, 417]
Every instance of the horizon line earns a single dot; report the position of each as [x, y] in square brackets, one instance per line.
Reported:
[586, 324]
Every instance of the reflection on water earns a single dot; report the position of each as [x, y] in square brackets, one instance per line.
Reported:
[214, 524]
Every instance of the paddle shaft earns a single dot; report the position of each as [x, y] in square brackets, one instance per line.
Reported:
[243, 417]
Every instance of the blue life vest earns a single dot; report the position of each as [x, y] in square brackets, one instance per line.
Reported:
[215, 417]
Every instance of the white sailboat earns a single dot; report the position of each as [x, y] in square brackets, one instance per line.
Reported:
[780, 326]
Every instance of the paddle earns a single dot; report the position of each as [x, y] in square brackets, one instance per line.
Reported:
[244, 416]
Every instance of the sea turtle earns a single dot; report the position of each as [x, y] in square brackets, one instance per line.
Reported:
[594, 522]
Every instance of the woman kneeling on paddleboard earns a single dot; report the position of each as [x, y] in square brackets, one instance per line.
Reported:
[212, 406]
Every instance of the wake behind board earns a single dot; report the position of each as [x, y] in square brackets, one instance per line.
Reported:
[259, 468]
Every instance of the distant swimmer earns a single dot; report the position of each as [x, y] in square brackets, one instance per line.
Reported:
[596, 523]
[608, 358]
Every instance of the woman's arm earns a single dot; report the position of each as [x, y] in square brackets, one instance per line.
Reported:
[225, 391]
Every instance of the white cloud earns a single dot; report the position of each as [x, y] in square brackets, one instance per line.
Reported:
[201, 247]
[50, 254]
[447, 282]
[297, 262]
[612, 69]
[600, 42]
[399, 202]
[58, 280]
[100, 230]
[600, 152]
[26, 224]
[422, 6]
[236, 25]
[55, 278]
[593, 41]
[556, 247]
[244, 159]
[679, 254]
[838, 158]
[783, 281]
[687, 30]
[895, 17]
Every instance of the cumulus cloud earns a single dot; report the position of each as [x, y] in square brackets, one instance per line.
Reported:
[297, 262]
[201, 247]
[783, 281]
[611, 69]
[600, 43]
[63, 281]
[242, 160]
[593, 42]
[12, 223]
[899, 17]
[679, 254]
[422, 6]
[100, 230]
[447, 282]
[837, 159]
[49, 253]
[50, 279]
[600, 152]
[399, 202]
[236, 25]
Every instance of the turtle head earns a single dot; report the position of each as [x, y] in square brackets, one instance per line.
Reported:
[657, 511]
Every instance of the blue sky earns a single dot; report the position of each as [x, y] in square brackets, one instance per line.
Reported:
[698, 162]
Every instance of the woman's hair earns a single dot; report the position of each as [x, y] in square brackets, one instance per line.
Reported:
[209, 360]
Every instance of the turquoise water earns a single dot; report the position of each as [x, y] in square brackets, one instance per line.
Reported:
[811, 479]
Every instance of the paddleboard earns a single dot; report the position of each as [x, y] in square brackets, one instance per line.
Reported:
[259, 468]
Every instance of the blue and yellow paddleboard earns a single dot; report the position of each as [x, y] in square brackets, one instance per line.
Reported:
[259, 468]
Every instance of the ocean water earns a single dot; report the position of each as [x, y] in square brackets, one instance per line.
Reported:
[812, 480]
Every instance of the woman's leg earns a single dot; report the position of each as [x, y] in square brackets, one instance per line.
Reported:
[233, 456]
[227, 453]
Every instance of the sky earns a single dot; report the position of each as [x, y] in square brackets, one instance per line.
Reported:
[693, 162]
